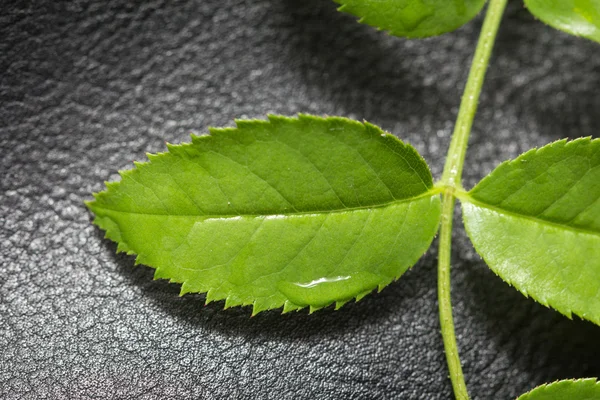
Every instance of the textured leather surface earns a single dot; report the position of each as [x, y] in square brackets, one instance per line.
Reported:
[86, 87]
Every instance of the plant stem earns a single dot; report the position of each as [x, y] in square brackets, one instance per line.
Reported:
[468, 106]
[451, 181]
[445, 303]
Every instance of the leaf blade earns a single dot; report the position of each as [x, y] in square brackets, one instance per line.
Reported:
[413, 18]
[577, 17]
[289, 235]
[536, 222]
[575, 389]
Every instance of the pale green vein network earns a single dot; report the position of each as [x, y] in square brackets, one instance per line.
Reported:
[290, 212]
[536, 222]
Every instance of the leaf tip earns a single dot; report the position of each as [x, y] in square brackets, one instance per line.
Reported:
[288, 306]
[230, 301]
[312, 309]
[185, 289]
[309, 117]
[90, 204]
[121, 246]
[139, 164]
[155, 157]
[339, 304]
[259, 305]
[256, 309]
[243, 124]
[362, 295]
[275, 117]
[210, 297]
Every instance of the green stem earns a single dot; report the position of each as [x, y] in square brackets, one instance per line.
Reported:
[468, 106]
[451, 181]
[445, 303]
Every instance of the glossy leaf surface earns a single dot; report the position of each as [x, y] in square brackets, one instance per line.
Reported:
[413, 18]
[289, 212]
[577, 17]
[536, 222]
[580, 389]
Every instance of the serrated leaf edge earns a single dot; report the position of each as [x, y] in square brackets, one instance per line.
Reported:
[361, 20]
[287, 306]
[545, 386]
[537, 151]
[466, 197]
[567, 312]
[271, 118]
[557, 28]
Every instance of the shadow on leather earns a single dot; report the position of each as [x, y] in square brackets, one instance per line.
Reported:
[363, 71]
[532, 336]
[551, 76]
[394, 302]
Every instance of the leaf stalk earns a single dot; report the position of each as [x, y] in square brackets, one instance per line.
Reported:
[444, 299]
[470, 99]
[451, 182]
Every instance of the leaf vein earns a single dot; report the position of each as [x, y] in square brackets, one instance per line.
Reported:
[583, 231]
[258, 176]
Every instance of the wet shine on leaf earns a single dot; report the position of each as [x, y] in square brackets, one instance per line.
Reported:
[580, 389]
[413, 18]
[290, 212]
[577, 17]
[536, 222]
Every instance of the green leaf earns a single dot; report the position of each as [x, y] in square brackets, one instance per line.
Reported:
[413, 18]
[290, 212]
[576, 389]
[577, 17]
[536, 222]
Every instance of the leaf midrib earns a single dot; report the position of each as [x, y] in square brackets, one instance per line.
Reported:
[465, 197]
[430, 193]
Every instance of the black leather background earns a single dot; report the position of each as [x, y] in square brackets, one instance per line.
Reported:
[86, 87]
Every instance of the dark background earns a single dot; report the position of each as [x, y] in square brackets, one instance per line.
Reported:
[86, 87]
